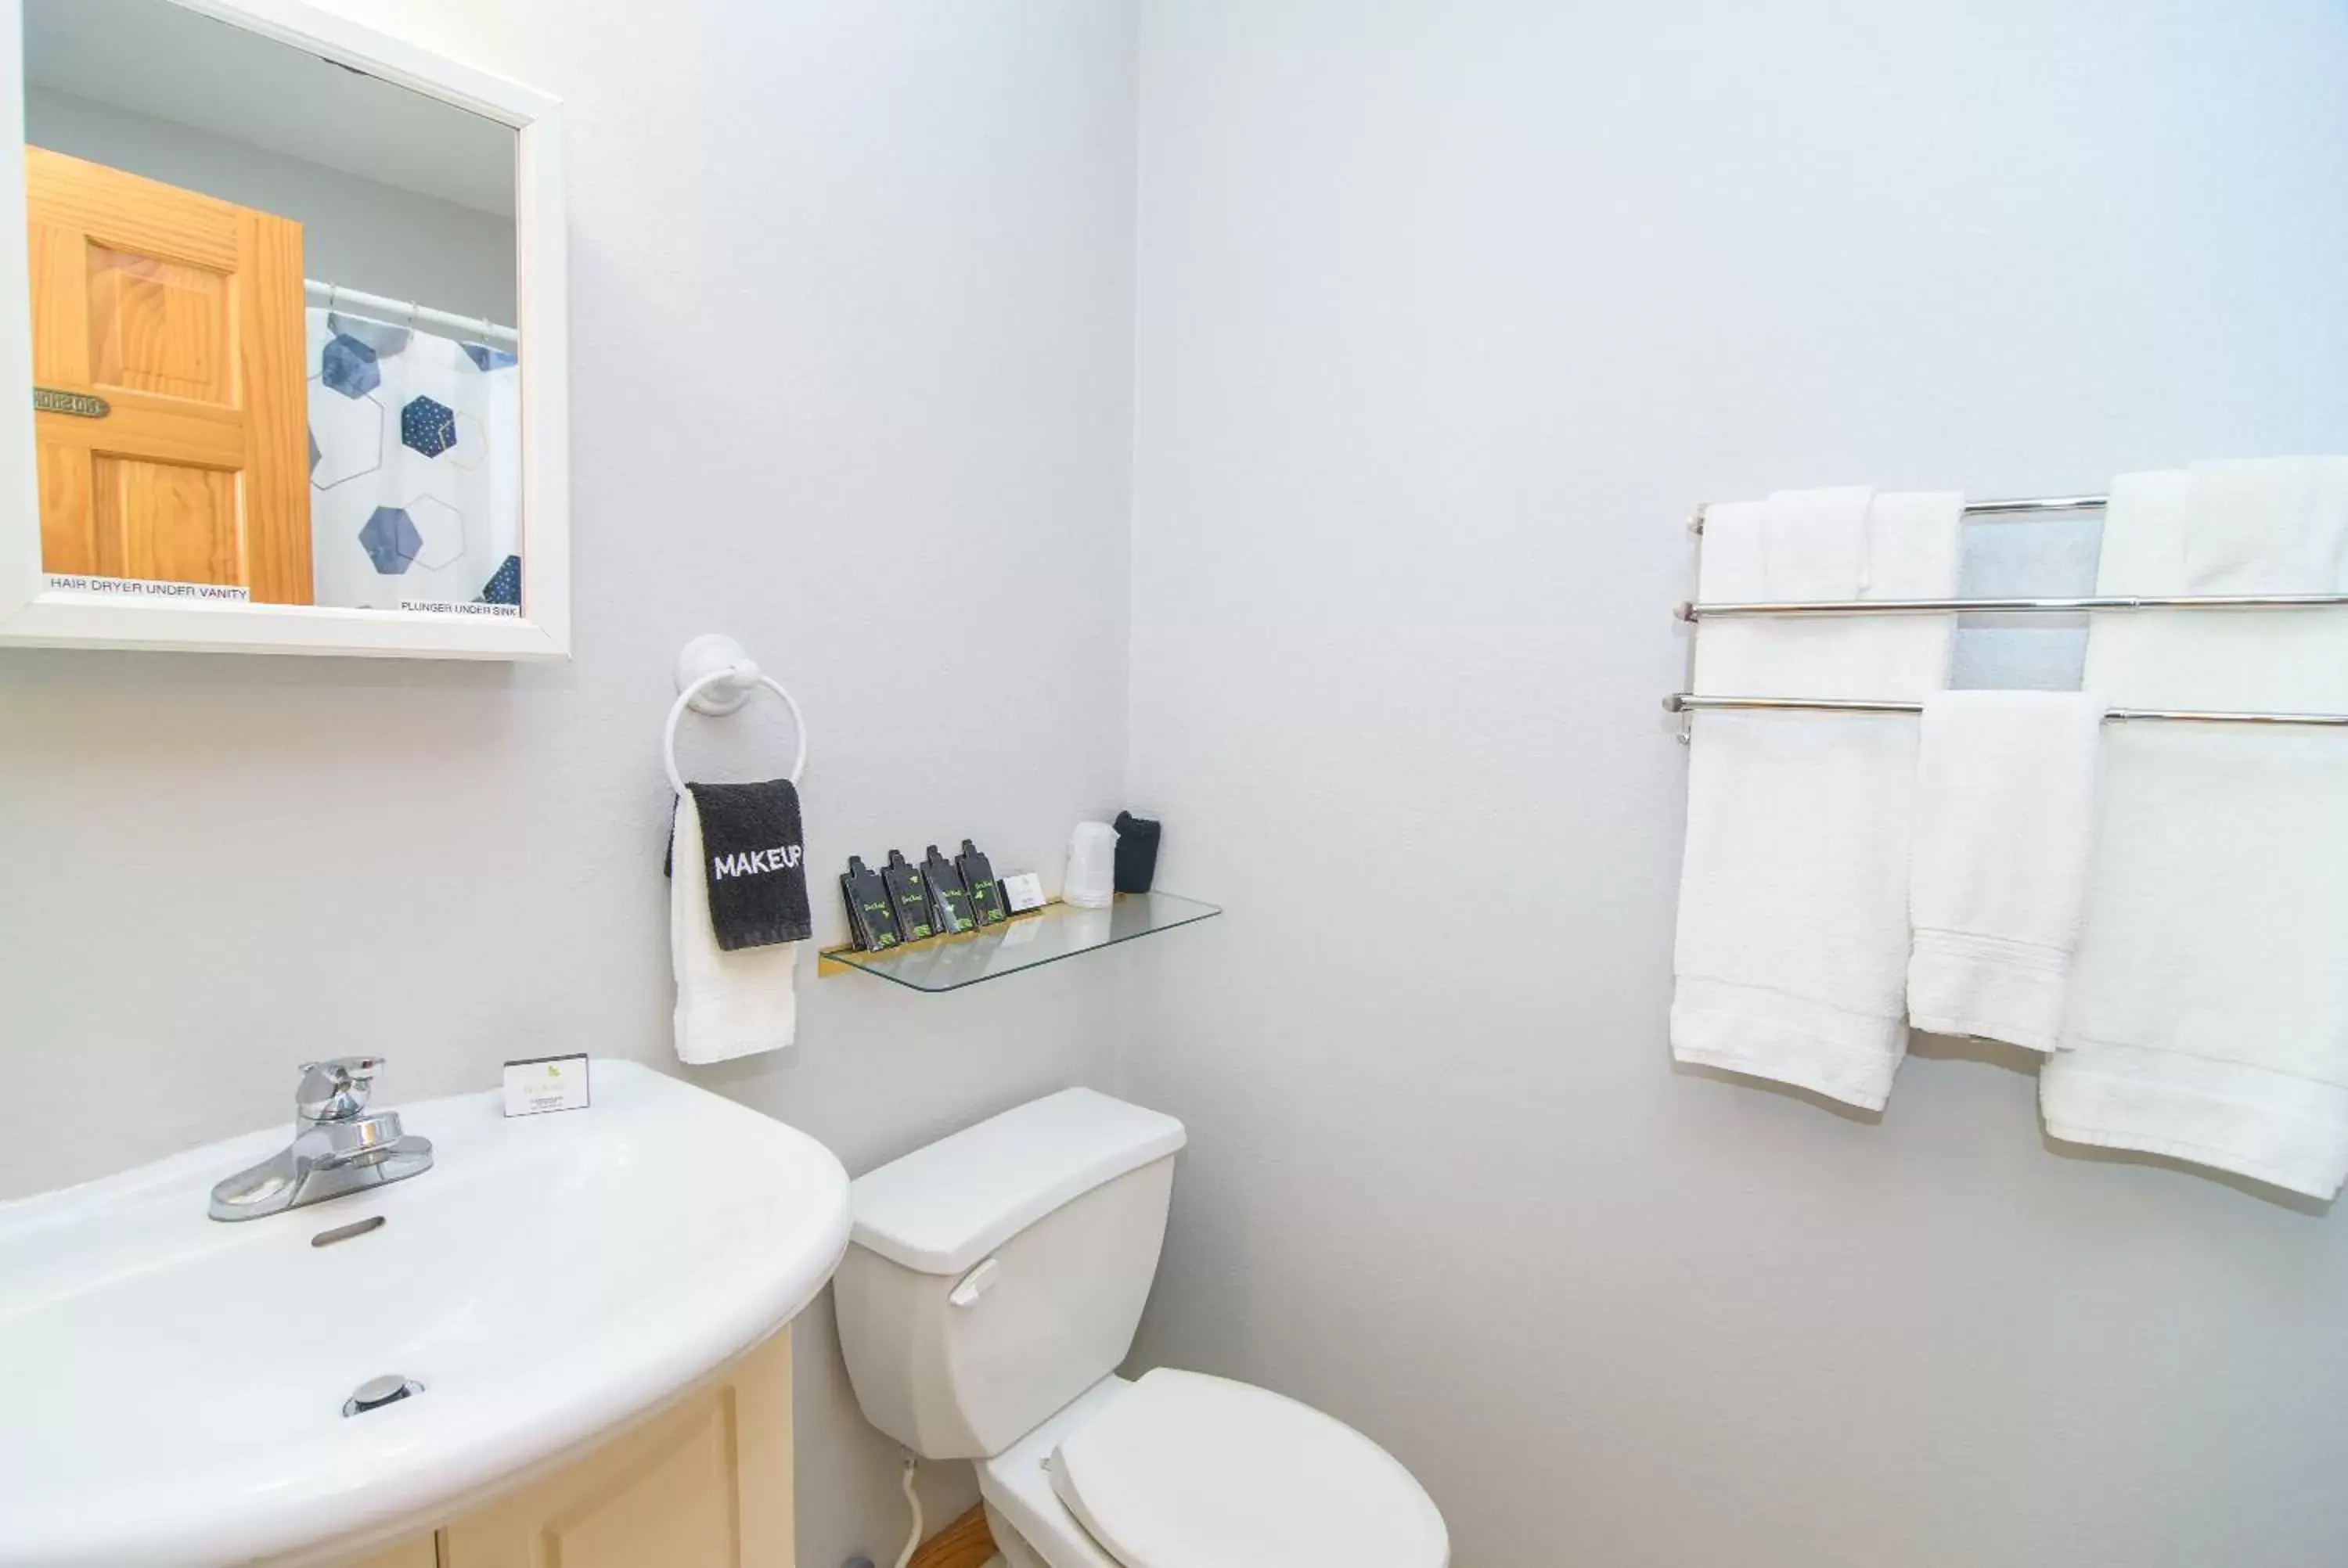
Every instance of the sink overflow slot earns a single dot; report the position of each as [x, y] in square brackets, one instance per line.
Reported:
[378, 1392]
[344, 1232]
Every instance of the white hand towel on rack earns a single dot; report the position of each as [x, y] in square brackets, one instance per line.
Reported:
[2267, 525]
[728, 1004]
[1792, 952]
[2208, 1015]
[2005, 813]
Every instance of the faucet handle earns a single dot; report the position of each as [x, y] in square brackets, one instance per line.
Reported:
[335, 1089]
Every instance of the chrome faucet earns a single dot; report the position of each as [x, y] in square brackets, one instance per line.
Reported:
[338, 1147]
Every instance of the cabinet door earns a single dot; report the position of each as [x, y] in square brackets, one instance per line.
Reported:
[419, 1552]
[704, 1484]
[180, 316]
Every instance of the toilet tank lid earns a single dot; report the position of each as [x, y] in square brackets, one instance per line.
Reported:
[944, 1206]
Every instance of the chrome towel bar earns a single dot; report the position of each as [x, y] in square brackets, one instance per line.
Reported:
[1689, 702]
[2019, 508]
[1693, 612]
[1685, 611]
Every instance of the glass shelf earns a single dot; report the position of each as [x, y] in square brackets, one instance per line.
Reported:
[1045, 936]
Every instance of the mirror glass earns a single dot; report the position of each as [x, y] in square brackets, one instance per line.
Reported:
[273, 306]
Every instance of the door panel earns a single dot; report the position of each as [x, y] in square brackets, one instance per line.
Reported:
[184, 314]
[172, 522]
[159, 326]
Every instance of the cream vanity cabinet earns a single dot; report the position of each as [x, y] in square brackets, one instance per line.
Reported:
[703, 1483]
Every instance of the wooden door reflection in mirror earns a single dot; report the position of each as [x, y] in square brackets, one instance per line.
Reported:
[170, 324]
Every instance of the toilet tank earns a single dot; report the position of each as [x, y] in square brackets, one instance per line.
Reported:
[994, 1276]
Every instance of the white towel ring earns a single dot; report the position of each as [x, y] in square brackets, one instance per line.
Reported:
[715, 676]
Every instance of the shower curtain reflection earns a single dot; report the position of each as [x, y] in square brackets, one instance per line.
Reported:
[415, 467]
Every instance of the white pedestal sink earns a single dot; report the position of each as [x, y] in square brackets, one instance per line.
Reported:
[171, 1388]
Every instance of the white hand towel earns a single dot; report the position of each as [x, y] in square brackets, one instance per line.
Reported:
[2267, 525]
[2208, 1014]
[1792, 950]
[728, 1004]
[2005, 813]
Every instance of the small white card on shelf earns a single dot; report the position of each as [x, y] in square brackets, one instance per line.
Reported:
[546, 1083]
[1022, 891]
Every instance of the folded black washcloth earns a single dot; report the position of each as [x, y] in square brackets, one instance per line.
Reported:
[1136, 852]
[756, 863]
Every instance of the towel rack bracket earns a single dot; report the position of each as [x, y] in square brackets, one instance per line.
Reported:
[728, 667]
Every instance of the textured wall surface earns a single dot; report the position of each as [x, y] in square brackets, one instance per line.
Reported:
[1449, 314]
[851, 306]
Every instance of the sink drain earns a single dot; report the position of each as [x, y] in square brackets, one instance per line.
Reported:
[378, 1392]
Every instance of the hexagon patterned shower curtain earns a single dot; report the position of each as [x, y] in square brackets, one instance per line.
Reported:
[415, 467]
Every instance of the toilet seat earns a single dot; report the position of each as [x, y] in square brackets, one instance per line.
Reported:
[1192, 1472]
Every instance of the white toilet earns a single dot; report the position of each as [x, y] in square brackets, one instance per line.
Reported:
[992, 1285]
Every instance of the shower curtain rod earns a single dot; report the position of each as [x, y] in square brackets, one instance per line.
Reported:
[1689, 702]
[466, 329]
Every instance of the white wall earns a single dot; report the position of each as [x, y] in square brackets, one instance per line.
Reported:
[1450, 311]
[356, 232]
[851, 321]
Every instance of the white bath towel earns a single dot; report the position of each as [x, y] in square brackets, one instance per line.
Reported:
[1908, 549]
[1815, 544]
[728, 1004]
[1792, 951]
[2208, 1014]
[2005, 813]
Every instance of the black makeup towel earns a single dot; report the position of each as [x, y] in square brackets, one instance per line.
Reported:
[1136, 852]
[756, 863]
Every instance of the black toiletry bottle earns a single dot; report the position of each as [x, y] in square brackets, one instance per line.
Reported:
[949, 900]
[1136, 852]
[978, 879]
[909, 895]
[871, 919]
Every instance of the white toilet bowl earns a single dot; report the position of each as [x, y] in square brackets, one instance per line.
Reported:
[992, 1285]
[1032, 1527]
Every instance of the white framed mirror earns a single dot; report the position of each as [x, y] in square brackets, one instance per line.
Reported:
[289, 316]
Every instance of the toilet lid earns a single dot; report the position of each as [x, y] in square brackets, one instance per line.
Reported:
[1192, 1472]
